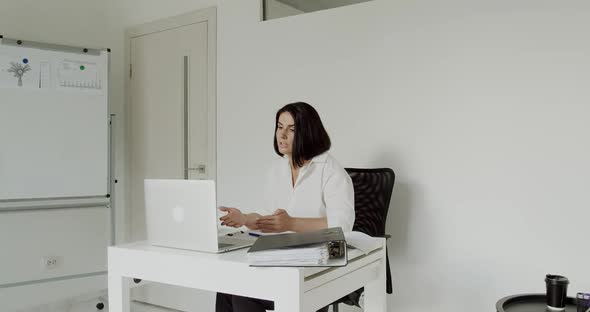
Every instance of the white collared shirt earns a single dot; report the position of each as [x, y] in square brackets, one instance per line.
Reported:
[323, 189]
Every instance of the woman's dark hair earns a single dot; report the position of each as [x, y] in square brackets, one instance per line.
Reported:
[311, 139]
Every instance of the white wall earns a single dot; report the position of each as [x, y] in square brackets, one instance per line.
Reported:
[479, 107]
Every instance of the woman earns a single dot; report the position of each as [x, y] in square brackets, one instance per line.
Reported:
[307, 190]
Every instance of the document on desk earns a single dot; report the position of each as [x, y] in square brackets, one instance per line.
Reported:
[362, 241]
[325, 247]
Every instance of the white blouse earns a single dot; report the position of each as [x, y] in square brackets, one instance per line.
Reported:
[323, 189]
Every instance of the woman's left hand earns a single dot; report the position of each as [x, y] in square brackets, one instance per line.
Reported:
[279, 221]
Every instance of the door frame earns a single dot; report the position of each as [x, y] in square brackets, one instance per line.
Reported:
[208, 15]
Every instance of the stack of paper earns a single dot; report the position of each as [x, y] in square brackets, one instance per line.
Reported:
[312, 255]
[362, 241]
[325, 247]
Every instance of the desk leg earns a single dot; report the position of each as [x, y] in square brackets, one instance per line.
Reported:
[119, 294]
[290, 292]
[375, 291]
[288, 304]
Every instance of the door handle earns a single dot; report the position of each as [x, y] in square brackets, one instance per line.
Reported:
[198, 169]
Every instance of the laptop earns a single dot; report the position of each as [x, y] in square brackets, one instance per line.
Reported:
[183, 214]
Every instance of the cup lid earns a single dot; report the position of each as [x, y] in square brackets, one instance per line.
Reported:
[556, 279]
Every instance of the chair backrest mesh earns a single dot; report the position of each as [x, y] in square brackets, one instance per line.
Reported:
[372, 194]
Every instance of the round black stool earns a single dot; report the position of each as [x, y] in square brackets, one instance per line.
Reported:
[530, 303]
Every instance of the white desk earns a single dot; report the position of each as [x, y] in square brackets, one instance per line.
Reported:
[292, 289]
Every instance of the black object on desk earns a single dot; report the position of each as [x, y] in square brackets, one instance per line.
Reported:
[556, 291]
[530, 303]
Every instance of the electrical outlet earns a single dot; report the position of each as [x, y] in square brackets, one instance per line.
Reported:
[50, 262]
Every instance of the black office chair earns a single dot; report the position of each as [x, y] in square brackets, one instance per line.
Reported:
[372, 195]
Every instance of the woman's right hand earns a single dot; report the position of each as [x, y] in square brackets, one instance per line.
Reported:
[234, 217]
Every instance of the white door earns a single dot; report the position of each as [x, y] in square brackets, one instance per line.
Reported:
[169, 111]
[171, 123]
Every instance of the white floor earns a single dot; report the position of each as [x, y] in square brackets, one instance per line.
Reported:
[135, 307]
[90, 306]
[142, 307]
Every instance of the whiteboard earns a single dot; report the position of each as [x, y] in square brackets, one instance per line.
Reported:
[54, 123]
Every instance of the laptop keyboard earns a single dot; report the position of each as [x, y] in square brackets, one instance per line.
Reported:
[225, 241]
[223, 245]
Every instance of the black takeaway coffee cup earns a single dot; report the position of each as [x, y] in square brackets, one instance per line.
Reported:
[556, 291]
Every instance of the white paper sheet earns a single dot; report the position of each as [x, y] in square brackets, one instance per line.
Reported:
[78, 75]
[18, 72]
[362, 241]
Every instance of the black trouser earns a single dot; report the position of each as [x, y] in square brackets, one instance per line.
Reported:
[233, 303]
